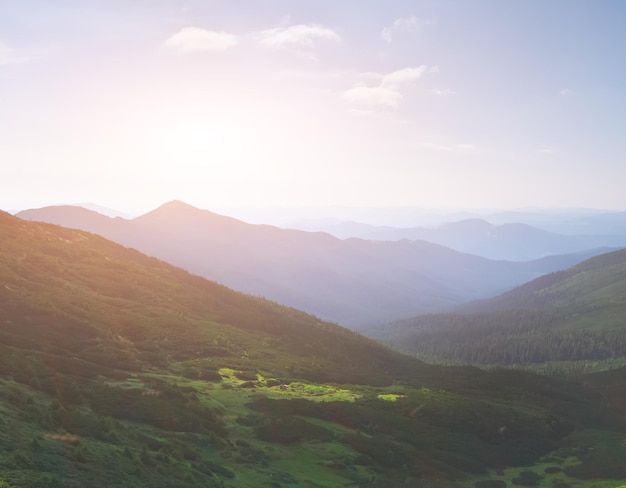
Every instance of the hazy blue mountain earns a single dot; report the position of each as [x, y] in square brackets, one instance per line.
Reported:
[351, 281]
[510, 241]
[574, 221]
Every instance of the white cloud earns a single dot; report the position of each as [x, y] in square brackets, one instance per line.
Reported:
[403, 76]
[9, 56]
[194, 39]
[302, 35]
[443, 92]
[566, 92]
[545, 150]
[373, 96]
[388, 93]
[403, 24]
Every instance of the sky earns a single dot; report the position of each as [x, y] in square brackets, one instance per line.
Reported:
[276, 103]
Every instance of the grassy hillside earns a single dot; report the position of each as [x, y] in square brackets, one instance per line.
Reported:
[572, 315]
[598, 282]
[119, 370]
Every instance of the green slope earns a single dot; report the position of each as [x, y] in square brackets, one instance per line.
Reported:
[119, 370]
[575, 315]
[597, 283]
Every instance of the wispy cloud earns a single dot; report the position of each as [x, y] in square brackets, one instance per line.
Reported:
[388, 93]
[443, 92]
[566, 92]
[373, 96]
[545, 150]
[402, 24]
[194, 39]
[405, 76]
[10, 56]
[302, 35]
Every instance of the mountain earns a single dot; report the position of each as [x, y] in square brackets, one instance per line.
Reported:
[352, 282]
[600, 223]
[110, 212]
[509, 241]
[571, 315]
[117, 369]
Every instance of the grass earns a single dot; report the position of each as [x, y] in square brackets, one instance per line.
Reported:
[390, 397]
[554, 469]
[241, 458]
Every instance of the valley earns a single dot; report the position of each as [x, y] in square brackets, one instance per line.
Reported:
[571, 321]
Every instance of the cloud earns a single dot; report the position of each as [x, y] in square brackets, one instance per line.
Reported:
[194, 39]
[545, 150]
[443, 92]
[406, 24]
[9, 56]
[302, 35]
[403, 76]
[388, 93]
[373, 96]
[566, 92]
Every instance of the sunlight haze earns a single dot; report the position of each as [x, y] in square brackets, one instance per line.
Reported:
[130, 104]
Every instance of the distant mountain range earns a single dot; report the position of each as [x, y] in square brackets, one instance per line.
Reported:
[352, 282]
[509, 241]
[571, 315]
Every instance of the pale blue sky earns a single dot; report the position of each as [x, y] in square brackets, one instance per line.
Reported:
[455, 104]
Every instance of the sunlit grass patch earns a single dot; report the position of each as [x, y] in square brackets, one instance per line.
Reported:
[390, 397]
[314, 392]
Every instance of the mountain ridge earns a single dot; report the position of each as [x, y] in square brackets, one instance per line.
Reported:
[513, 241]
[353, 281]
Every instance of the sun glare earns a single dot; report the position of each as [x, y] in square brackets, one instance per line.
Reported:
[198, 139]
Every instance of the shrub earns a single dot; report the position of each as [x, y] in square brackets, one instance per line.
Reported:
[246, 375]
[289, 430]
[527, 478]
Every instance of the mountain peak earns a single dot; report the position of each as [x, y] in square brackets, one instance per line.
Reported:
[178, 204]
[171, 209]
[181, 213]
